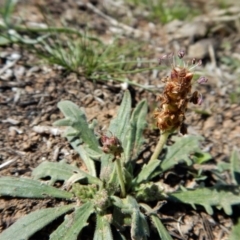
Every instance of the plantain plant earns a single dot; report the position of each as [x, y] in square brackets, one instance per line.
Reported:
[123, 195]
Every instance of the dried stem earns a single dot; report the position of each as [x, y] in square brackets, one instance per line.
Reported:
[162, 140]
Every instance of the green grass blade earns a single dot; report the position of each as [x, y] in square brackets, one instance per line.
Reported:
[7, 11]
[72, 225]
[26, 226]
[29, 188]
[103, 230]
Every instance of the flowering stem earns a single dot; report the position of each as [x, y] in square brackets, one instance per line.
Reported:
[120, 177]
[162, 140]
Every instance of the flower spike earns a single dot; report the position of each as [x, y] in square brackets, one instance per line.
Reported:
[176, 96]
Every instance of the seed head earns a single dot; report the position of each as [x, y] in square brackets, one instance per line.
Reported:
[176, 95]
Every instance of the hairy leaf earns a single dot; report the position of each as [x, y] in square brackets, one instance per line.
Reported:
[103, 230]
[235, 233]
[139, 226]
[118, 127]
[80, 175]
[162, 231]
[79, 122]
[76, 144]
[235, 166]
[180, 151]
[146, 172]
[26, 226]
[74, 223]
[222, 196]
[135, 137]
[55, 170]
[177, 153]
[29, 188]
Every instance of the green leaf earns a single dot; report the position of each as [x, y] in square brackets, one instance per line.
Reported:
[63, 122]
[7, 11]
[221, 196]
[201, 157]
[119, 125]
[29, 188]
[162, 231]
[26, 226]
[235, 233]
[146, 172]
[4, 40]
[74, 223]
[55, 170]
[139, 225]
[103, 230]
[79, 122]
[119, 128]
[180, 151]
[135, 137]
[117, 235]
[81, 175]
[235, 167]
[76, 144]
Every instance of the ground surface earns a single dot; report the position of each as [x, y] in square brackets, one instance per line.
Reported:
[29, 93]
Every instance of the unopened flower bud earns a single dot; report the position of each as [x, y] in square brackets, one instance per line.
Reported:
[111, 145]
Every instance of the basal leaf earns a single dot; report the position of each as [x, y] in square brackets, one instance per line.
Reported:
[146, 172]
[235, 166]
[74, 223]
[119, 128]
[26, 226]
[180, 151]
[222, 196]
[235, 233]
[79, 122]
[29, 188]
[79, 148]
[119, 125]
[139, 225]
[162, 231]
[103, 230]
[55, 170]
[135, 137]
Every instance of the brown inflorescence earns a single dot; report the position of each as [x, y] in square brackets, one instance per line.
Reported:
[176, 96]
